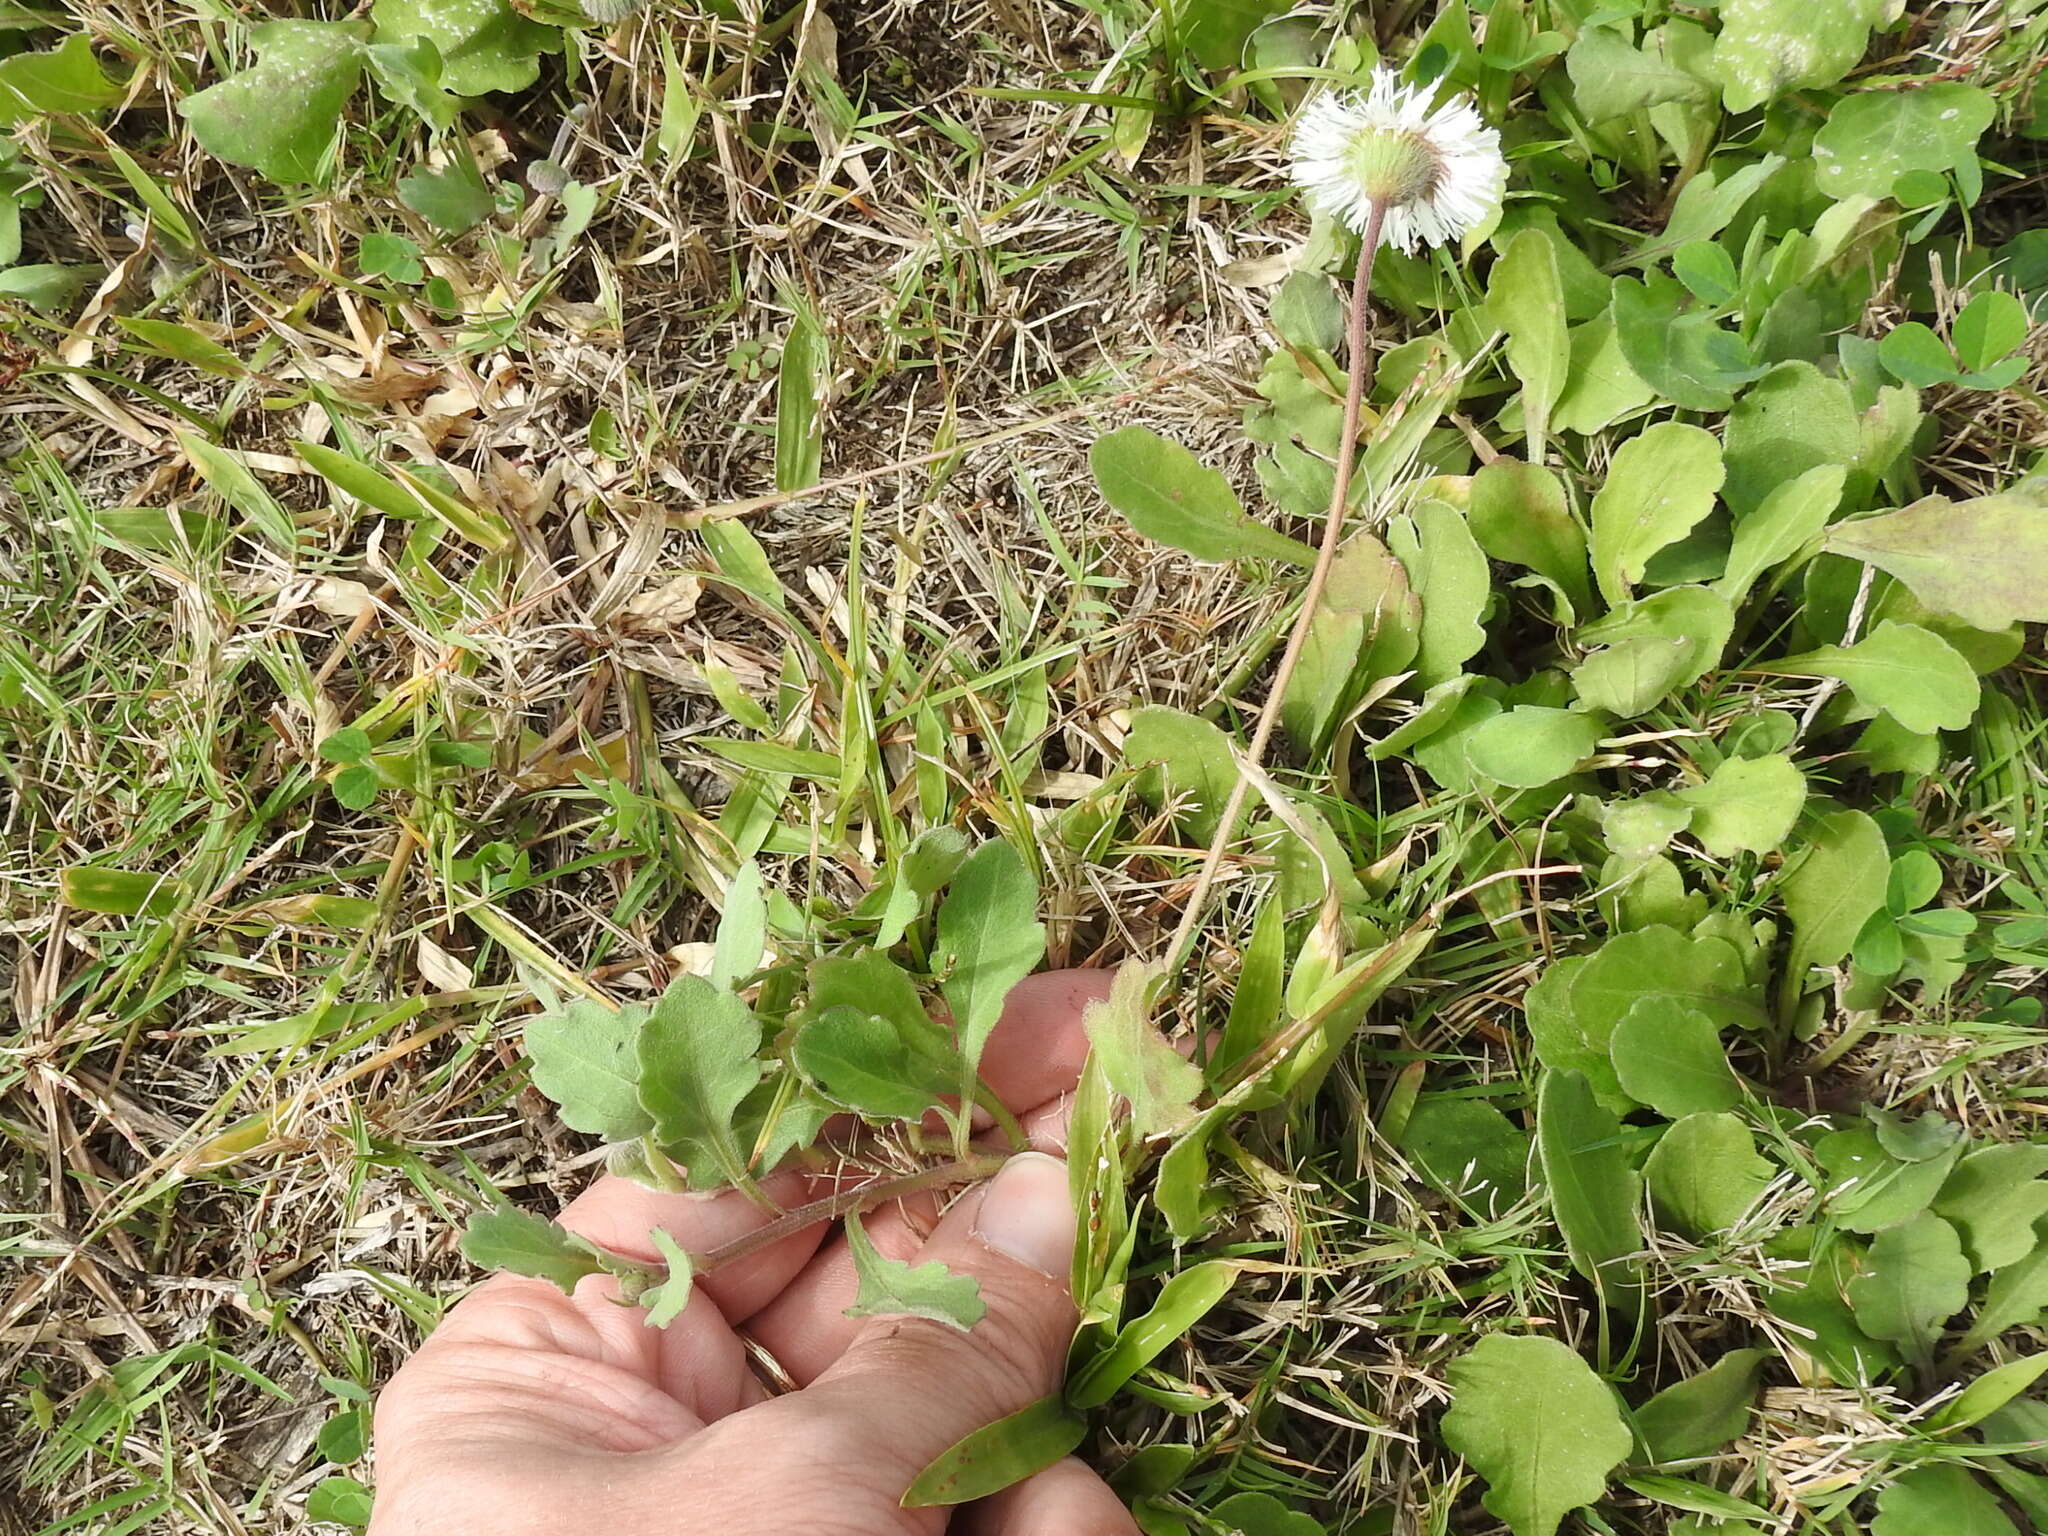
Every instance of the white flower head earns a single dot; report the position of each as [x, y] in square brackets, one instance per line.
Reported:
[1435, 173]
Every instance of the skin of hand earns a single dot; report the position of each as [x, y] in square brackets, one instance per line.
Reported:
[531, 1411]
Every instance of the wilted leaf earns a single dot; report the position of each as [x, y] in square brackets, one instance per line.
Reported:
[1502, 1387]
[1156, 1080]
[1984, 560]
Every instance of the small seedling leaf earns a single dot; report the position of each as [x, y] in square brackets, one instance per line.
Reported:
[892, 1288]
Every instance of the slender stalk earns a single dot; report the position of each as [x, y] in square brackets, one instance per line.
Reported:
[832, 1207]
[1333, 535]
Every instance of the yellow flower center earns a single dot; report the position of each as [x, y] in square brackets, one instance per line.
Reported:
[1393, 166]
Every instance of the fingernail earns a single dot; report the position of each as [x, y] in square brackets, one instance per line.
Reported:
[1028, 1214]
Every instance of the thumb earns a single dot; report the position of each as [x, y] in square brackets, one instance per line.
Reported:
[906, 1389]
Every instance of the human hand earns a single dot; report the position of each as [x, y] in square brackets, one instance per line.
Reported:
[531, 1411]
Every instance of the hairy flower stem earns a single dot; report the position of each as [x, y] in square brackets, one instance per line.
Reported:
[1318, 578]
[846, 1202]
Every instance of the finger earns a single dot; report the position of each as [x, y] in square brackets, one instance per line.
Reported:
[1036, 1051]
[806, 1327]
[618, 1214]
[905, 1389]
[1066, 1499]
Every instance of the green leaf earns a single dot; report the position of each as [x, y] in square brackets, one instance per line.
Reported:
[2016, 1297]
[1533, 1420]
[1168, 495]
[1159, 1083]
[1872, 138]
[1791, 516]
[989, 938]
[1914, 355]
[1525, 298]
[227, 474]
[1646, 650]
[1613, 78]
[1670, 1057]
[185, 345]
[1259, 1514]
[1448, 574]
[586, 1058]
[1747, 805]
[1704, 1173]
[1698, 1416]
[345, 1437]
[1989, 1393]
[1990, 325]
[872, 1065]
[873, 983]
[1468, 1149]
[122, 892]
[452, 198]
[339, 1501]
[280, 115]
[1184, 1300]
[1638, 828]
[485, 45]
[1602, 387]
[1519, 515]
[1196, 762]
[410, 74]
[1831, 888]
[1870, 1190]
[999, 1455]
[1367, 626]
[1659, 485]
[67, 78]
[1914, 1280]
[1984, 560]
[1708, 271]
[1769, 47]
[1689, 358]
[1919, 1140]
[697, 1064]
[664, 1303]
[1593, 1190]
[510, 1239]
[1910, 673]
[1994, 1197]
[892, 1288]
[1533, 745]
[1794, 419]
[1939, 1500]
[742, 928]
[801, 379]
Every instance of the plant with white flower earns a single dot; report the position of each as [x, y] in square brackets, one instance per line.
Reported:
[1392, 167]
[1384, 162]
